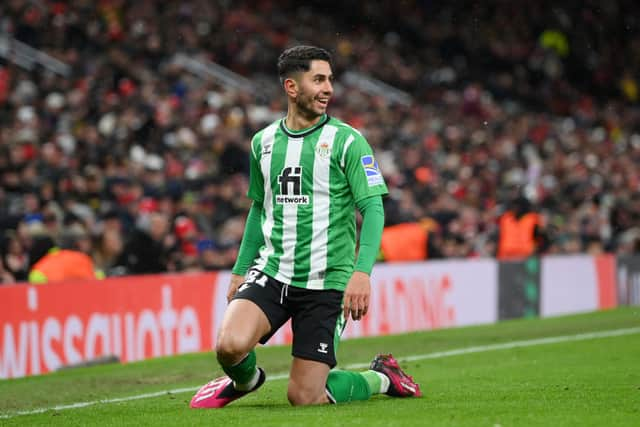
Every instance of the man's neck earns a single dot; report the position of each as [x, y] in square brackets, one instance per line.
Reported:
[295, 121]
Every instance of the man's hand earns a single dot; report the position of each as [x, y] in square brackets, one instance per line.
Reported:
[234, 284]
[356, 295]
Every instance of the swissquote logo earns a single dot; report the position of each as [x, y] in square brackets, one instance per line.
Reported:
[290, 180]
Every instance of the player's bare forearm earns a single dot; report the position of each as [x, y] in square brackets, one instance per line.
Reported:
[357, 295]
[234, 284]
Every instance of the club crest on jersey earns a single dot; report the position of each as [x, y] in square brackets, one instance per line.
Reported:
[290, 180]
[371, 170]
[323, 150]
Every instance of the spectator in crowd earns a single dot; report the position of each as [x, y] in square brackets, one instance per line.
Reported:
[214, 256]
[408, 241]
[520, 231]
[107, 249]
[63, 265]
[5, 276]
[70, 261]
[149, 247]
[15, 260]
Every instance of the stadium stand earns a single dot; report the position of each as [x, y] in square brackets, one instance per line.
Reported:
[115, 114]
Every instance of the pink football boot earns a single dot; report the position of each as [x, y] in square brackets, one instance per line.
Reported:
[220, 392]
[401, 384]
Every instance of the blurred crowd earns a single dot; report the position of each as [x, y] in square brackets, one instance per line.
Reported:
[142, 164]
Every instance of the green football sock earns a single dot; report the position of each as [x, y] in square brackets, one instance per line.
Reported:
[378, 383]
[347, 386]
[243, 373]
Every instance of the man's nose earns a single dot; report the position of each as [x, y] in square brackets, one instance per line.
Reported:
[328, 87]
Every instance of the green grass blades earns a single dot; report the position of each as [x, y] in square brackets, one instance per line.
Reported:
[590, 381]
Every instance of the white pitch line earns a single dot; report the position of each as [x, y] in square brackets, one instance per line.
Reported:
[436, 355]
[511, 344]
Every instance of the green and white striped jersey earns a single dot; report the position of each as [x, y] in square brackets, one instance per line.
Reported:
[309, 182]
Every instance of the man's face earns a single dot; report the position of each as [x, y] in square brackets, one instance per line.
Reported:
[315, 88]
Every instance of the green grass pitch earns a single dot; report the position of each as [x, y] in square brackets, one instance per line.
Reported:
[585, 382]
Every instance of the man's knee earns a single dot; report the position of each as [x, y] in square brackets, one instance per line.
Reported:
[299, 396]
[230, 348]
[242, 326]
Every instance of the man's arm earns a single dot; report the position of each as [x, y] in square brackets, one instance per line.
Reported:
[252, 240]
[358, 290]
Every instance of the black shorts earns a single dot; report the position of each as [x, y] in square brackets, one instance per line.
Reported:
[316, 315]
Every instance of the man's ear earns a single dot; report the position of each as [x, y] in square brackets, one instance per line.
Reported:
[291, 87]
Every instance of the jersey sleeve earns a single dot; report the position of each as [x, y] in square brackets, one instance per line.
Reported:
[256, 179]
[362, 170]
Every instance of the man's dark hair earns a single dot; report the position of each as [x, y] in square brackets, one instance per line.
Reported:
[298, 59]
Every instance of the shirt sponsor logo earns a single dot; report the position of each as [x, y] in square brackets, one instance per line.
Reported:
[371, 170]
[290, 180]
[292, 200]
